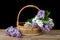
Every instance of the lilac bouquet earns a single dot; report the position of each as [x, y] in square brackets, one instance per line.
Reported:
[41, 20]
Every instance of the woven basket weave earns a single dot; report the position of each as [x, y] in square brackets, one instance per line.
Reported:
[27, 30]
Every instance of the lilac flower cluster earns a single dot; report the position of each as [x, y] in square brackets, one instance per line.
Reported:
[41, 14]
[46, 27]
[13, 31]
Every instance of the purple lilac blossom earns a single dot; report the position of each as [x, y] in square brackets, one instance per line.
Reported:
[46, 27]
[41, 14]
[13, 32]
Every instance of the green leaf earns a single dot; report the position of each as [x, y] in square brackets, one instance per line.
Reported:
[29, 20]
[44, 21]
[46, 15]
[40, 19]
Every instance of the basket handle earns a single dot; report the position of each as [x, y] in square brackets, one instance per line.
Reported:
[22, 10]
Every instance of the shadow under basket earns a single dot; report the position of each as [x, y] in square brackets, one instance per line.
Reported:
[27, 30]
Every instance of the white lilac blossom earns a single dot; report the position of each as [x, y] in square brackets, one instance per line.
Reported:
[27, 24]
[36, 21]
[40, 23]
[13, 31]
[51, 22]
[35, 18]
[41, 14]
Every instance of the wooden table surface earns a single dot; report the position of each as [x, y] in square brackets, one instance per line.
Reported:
[52, 35]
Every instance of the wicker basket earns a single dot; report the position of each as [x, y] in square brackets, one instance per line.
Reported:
[27, 30]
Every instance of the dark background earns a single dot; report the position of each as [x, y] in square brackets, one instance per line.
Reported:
[10, 9]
